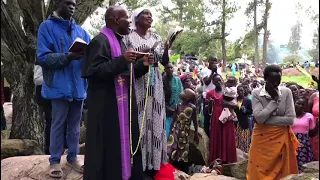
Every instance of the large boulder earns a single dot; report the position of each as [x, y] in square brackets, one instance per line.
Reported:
[19, 147]
[237, 170]
[201, 149]
[202, 176]
[311, 167]
[82, 135]
[241, 156]
[35, 167]
[303, 176]
[7, 108]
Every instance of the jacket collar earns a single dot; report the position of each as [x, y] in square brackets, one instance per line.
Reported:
[265, 93]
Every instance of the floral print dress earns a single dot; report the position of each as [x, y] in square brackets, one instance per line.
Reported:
[178, 141]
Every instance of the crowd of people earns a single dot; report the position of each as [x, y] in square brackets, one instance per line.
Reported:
[140, 119]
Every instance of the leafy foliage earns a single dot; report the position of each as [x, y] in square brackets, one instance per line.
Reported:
[294, 44]
[293, 59]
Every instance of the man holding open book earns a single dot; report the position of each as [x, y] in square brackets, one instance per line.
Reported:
[60, 47]
[112, 126]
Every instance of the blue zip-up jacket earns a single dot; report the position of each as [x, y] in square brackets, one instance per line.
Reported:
[61, 74]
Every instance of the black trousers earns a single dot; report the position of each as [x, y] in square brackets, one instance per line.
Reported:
[46, 110]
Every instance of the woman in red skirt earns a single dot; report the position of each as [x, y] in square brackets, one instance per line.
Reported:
[222, 135]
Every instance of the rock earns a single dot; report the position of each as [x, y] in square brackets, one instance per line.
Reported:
[7, 108]
[82, 135]
[241, 156]
[202, 176]
[237, 170]
[303, 176]
[5, 134]
[311, 167]
[18, 147]
[82, 148]
[35, 167]
[202, 147]
[179, 175]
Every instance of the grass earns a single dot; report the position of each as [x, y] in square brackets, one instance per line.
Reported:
[302, 80]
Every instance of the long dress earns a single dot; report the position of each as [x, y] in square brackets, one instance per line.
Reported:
[222, 136]
[301, 129]
[173, 98]
[103, 156]
[154, 141]
[178, 141]
[315, 140]
[243, 132]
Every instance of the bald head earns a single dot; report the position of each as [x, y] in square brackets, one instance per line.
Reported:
[112, 13]
[116, 18]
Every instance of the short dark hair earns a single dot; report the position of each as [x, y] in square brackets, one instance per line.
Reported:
[213, 58]
[269, 69]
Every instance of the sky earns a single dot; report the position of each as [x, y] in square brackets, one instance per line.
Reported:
[282, 18]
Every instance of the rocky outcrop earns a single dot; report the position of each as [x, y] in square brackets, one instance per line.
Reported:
[237, 170]
[202, 147]
[18, 147]
[312, 167]
[241, 156]
[201, 176]
[7, 108]
[303, 176]
[35, 167]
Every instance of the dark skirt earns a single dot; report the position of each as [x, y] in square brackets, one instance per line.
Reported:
[305, 154]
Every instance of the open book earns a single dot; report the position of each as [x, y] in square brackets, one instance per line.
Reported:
[173, 33]
[78, 45]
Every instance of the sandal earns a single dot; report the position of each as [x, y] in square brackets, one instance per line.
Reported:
[76, 166]
[55, 171]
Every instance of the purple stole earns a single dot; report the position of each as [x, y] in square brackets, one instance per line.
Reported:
[121, 85]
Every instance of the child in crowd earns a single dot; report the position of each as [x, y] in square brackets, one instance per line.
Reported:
[302, 125]
[229, 94]
[178, 140]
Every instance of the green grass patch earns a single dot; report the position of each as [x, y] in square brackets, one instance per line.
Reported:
[302, 80]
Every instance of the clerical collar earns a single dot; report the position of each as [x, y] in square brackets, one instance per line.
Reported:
[119, 35]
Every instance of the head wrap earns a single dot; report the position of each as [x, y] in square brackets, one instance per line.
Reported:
[185, 77]
[135, 14]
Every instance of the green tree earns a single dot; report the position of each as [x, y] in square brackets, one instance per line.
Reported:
[314, 53]
[251, 11]
[19, 24]
[226, 8]
[187, 13]
[293, 59]
[266, 33]
[294, 44]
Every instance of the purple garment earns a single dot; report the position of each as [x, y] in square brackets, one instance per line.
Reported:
[121, 84]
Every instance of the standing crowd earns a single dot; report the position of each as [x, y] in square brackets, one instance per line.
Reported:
[140, 119]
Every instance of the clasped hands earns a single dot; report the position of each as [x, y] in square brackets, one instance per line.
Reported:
[132, 56]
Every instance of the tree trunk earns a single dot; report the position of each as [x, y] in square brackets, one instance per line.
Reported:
[223, 40]
[20, 21]
[256, 35]
[266, 33]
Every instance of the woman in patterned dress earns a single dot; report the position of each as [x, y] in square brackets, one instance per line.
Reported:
[313, 107]
[178, 141]
[303, 123]
[154, 141]
[243, 115]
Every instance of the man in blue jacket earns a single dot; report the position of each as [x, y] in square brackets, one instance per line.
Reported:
[62, 84]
